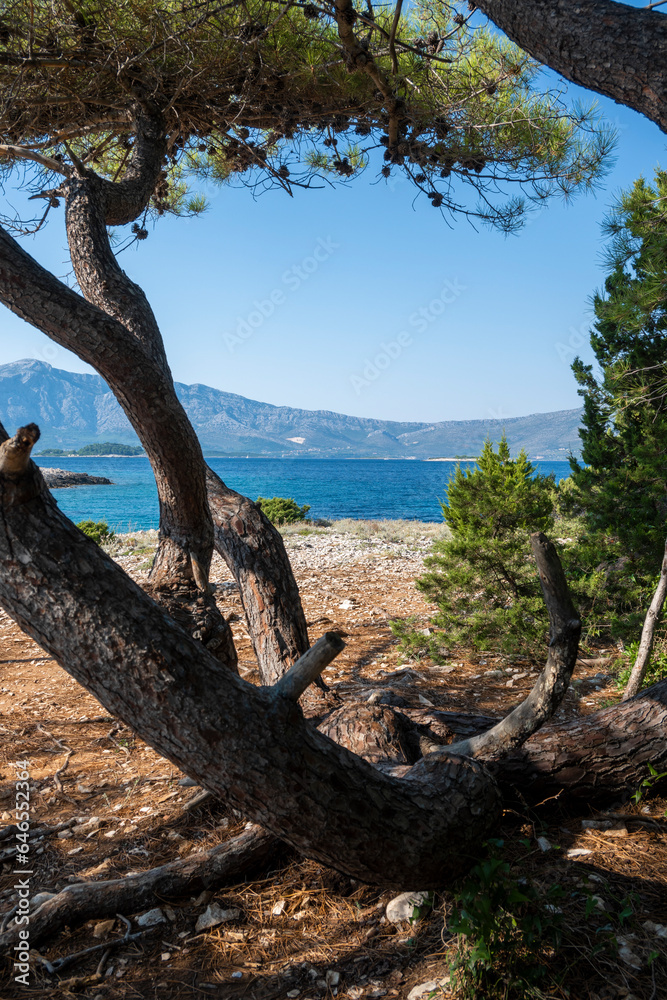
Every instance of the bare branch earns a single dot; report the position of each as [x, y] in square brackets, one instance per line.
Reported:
[15, 452]
[24, 153]
[552, 683]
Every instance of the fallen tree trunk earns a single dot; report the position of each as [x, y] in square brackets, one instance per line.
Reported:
[596, 758]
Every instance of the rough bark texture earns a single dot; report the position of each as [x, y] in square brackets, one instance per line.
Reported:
[237, 740]
[651, 621]
[143, 388]
[197, 612]
[551, 685]
[83, 901]
[595, 758]
[608, 47]
[255, 554]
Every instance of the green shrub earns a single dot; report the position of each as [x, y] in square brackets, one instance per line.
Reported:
[99, 531]
[483, 579]
[657, 665]
[282, 510]
[503, 924]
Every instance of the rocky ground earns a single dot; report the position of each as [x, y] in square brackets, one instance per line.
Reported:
[113, 807]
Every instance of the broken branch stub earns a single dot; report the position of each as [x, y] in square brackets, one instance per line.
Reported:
[309, 667]
[15, 452]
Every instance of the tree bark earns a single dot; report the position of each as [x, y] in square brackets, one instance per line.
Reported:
[651, 622]
[608, 47]
[236, 740]
[595, 758]
[116, 333]
[255, 554]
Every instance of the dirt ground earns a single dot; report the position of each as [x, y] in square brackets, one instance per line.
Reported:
[304, 931]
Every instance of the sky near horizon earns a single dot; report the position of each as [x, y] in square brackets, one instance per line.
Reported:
[292, 300]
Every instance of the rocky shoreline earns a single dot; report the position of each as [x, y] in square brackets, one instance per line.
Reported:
[57, 479]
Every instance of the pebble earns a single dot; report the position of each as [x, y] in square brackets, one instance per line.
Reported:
[103, 928]
[151, 918]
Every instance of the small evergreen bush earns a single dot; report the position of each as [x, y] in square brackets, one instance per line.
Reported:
[282, 510]
[99, 531]
[483, 579]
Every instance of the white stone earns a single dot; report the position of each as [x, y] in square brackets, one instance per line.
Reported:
[151, 918]
[332, 978]
[658, 929]
[628, 956]
[543, 844]
[278, 908]
[214, 915]
[423, 990]
[405, 908]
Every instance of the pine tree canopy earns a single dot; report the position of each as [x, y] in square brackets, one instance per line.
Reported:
[271, 93]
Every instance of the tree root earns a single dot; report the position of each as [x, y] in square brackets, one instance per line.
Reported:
[83, 901]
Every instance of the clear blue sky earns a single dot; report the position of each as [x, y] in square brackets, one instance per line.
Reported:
[513, 311]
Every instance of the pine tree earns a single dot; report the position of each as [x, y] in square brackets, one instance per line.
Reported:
[483, 578]
[621, 484]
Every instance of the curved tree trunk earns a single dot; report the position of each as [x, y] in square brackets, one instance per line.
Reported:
[250, 745]
[115, 331]
[611, 48]
[255, 554]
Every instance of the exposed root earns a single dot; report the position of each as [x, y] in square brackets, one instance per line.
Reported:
[82, 901]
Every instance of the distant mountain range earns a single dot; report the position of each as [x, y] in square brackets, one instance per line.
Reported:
[74, 410]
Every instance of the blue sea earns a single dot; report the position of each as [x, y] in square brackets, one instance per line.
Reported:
[334, 488]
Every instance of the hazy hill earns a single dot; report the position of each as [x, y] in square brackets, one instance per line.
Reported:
[73, 410]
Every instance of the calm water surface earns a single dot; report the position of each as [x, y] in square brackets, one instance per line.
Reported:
[335, 488]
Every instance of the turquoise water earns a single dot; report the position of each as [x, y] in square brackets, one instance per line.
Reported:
[335, 488]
